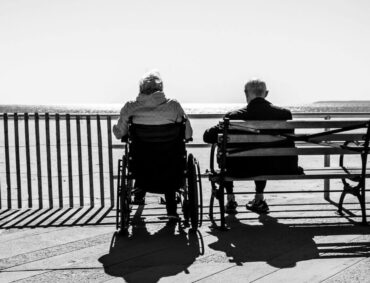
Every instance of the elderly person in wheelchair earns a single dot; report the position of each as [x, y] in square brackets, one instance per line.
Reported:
[155, 130]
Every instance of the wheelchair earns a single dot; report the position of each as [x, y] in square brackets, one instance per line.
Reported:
[155, 160]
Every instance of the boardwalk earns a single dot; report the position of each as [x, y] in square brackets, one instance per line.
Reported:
[302, 239]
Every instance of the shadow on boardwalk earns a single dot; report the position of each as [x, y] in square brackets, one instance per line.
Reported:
[146, 257]
[56, 217]
[282, 245]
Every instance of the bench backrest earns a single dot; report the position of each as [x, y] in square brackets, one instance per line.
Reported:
[311, 137]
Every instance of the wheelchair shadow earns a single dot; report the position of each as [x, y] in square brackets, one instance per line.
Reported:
[281, 245]
[143, 256]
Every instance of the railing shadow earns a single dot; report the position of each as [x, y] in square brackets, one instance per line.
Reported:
[56, 217]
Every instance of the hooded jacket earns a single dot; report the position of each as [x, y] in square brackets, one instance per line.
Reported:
[152, 109]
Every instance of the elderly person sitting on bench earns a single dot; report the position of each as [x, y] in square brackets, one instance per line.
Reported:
[258, 108]
[152, 107]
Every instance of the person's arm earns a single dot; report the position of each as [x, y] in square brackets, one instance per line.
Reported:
[121, 128]
[210, 135]
[181, 114]
[236, 115]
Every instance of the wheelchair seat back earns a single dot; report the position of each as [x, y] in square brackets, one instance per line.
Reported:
[157, 156]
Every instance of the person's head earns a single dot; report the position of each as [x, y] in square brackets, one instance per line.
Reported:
[255, 88]
[151, 82]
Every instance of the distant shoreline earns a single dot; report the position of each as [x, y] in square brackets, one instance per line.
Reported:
[190, 108]
[342, 101]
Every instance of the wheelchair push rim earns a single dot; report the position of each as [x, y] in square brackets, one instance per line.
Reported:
[194, 192]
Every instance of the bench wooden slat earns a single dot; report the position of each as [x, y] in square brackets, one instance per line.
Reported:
[311, 150]
[261, 138]
[296, 124]
[309, 174]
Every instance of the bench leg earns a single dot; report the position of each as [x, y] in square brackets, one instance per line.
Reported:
[218, 194]
[360, 194]
[221, 200]
[211, 203]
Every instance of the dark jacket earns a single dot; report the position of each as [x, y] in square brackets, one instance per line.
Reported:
[259, 109]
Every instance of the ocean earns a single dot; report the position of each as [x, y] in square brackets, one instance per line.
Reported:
[190, 108]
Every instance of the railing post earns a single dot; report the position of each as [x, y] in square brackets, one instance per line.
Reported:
[69, 154]
[110, 156]
[100, 153]
[38, 158]
[7, 163]
[17, 160]
[79, 151]
[327, 164]
[89, 151]
[59, 160]
[28, 158]
[48, 159]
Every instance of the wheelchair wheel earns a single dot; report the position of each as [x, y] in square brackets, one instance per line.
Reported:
[194, 192]
[123, 197]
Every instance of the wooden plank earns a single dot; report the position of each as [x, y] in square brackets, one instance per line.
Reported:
[28, 158]
[251, 138]
[308, 175]
[315, 150]
[17, 161]
[69, 154]
[79, 151]
[38, 159]
[261, 138]
[294, 124]
[59, 160]
[110, 160]
[100, 152]
[89, 151]
[48, 159]
[7, 162]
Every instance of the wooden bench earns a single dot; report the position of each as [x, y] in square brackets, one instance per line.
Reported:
[311, 137]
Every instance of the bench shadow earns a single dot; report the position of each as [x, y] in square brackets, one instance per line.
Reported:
[281, 245]
[145, 256]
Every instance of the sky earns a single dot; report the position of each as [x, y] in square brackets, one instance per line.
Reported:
[96, 51]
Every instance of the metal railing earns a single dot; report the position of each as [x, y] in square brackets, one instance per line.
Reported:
[66, 160]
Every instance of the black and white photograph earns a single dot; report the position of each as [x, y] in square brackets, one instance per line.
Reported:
[184, 141]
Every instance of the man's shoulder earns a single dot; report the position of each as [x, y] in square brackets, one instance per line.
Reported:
[280, 108]
[237, 114]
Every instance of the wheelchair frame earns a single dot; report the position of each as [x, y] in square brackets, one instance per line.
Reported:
[190, 194]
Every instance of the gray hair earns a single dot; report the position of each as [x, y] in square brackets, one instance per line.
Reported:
[256, 86]
[151, 82]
